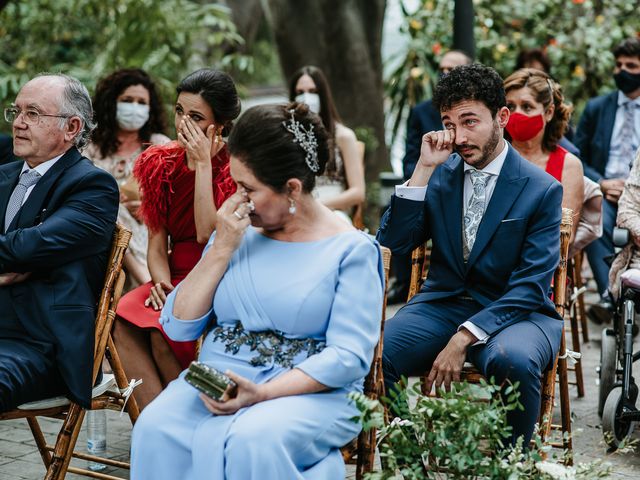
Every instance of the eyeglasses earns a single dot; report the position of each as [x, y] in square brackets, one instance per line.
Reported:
[30, 117]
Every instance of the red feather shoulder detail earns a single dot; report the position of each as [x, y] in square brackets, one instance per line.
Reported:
[153, 170]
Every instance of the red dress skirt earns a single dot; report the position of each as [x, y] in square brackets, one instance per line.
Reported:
[167, 187]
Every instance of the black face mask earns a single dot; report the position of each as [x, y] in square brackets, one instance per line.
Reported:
[627, 82]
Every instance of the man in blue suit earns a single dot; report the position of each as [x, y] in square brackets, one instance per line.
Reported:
[494, 219]
[57, 214]
[608, 135]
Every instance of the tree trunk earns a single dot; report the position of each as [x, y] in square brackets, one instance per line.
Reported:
[343, 38]
[463, 27]
[246, 15]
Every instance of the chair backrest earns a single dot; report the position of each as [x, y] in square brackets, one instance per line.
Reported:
[110, 295]
[374, 382]
[560, 275]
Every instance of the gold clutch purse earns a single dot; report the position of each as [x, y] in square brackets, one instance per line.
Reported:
[211, 381]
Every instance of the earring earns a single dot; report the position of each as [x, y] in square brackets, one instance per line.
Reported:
[292, 206]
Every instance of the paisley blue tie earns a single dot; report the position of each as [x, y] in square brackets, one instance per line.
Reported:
[475, 210]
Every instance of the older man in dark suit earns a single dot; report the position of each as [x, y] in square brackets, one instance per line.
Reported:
[608, 135]
[57, 213]
[494, 219]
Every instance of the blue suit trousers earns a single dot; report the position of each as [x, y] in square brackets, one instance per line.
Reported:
[521, 352]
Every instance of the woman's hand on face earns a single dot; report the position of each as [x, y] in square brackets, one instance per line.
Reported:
[158, 295]
[198, 144]
[247, 394]
[232, 220]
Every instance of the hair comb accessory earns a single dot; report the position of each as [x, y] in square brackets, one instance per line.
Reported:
[306, 139]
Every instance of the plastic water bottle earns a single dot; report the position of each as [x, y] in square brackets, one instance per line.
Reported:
[96, 437]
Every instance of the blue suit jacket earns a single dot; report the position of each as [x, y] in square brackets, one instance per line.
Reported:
[6, 150]
[423, 118]
[515, 254]
[62, 234]
[593, 136]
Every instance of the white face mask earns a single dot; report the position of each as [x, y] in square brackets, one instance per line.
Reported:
[311, 99]
[131, 116]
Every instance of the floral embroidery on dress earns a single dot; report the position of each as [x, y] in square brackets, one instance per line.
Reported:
[270, 345]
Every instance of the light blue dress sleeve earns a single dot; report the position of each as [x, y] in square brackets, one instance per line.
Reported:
[354, 324]
[184, 330]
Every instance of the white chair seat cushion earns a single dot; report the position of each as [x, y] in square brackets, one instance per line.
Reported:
[108, 383]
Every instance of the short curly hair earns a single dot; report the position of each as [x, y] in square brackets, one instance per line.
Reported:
[545, 91]
[105, 136]
[470, 82]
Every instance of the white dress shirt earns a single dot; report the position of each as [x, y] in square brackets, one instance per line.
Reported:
[41, 169]
[418, 194]
[618, 167]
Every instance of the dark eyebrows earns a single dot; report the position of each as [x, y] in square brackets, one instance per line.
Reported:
[191, 112]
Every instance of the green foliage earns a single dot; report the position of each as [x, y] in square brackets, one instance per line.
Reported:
[457, 436]
[578, 36]
[90, 38]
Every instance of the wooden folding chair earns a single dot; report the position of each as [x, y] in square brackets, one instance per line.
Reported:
[56, 458]
[472, 375]
[362, 453]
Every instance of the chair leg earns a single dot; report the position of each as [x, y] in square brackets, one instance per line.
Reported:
[366, 453]
[122, 380]
[577, 281]
[65, 443]
[41, 443]
[575, 345]
[565, 403]
[548, 389]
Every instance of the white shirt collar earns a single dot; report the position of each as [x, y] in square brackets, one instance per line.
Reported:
[622, 99]
[43, 167]
[495, 166]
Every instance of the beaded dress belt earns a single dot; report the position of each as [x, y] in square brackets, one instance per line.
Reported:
[269, 345]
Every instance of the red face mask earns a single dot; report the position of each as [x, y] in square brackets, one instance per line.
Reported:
[523, 128]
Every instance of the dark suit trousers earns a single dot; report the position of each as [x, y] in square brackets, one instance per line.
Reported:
[415, 336]
[27, 369]
[602, 247]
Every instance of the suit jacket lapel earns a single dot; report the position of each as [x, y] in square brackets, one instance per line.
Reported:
[608, 120]
[32, 207]
[8, 181]
[507, 190]
[451, 197]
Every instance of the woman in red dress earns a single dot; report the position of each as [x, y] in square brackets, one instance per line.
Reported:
[538, 120]
[182, 184]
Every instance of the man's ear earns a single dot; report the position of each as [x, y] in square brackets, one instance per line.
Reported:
[503, 116]
[72, 128]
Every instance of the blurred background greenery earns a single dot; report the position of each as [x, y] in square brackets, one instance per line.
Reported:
[577, 35]
[261, 42]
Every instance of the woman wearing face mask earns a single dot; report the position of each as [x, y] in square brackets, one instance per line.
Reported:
[130, 117]
[538, 120]
[341, 187]
[182, 184]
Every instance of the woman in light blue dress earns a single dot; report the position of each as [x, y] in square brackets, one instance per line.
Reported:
[290, 298]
